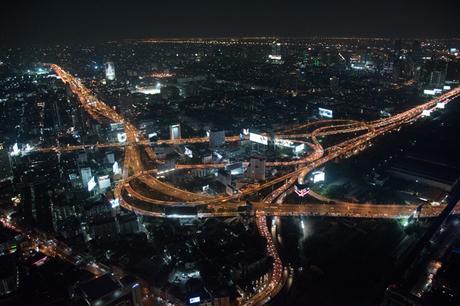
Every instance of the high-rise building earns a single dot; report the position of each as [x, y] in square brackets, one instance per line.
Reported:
[437, 78]
[397, 46]
[217, 138]
[334, 84]
[256, 168]
[86, 176]
[276, 51]
[57, 116]
[175, 131]
[109, 69]
[275, 55]
[5, 164]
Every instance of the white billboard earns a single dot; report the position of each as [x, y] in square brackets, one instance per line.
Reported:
[283, 142]
[91, 184]
[274, 57]
[440, 105]
[299, 148]
[318, 176]
[258, 138]
[194, 300]
[122, 137]
[323, 112]
[116, 168]
[429, 92]
[426, 113]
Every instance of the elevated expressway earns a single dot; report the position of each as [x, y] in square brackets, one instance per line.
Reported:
[223, 205]
[175, 202]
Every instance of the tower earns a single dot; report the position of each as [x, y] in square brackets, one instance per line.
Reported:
[174, 131]
[109, 69]
[256, 168]
[275, 55]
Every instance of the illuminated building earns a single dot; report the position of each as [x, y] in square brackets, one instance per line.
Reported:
[175, 131]
[276, 51]
[103, 182]
[437, 78]
[85, 174]
[109, 69]
[256, 168]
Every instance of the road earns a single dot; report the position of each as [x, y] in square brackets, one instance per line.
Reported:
[367, 131]
[145, 203]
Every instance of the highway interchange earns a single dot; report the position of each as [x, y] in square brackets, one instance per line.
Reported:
[146, 202]
[225, 205]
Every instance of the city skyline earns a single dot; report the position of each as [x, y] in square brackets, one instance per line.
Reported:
[230, 154]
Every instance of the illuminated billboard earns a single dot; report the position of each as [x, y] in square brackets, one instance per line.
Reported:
[326, 113]
[114, 203]
[116, 168]
[318, 176]
[429, 92]
[258, 138]
[274, 57]
[283, 142]
[188, 152]
[426, 113]
[440, 105]
[299, 148]
[91, 184]
[301, 191]
[194, 300]
[122, 137]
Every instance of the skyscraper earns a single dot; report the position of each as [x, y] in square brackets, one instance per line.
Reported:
[85, 176]
[275, 55]
[334, 84]
[437, 78]
[256, 168]
[109, 69]
[175, 131]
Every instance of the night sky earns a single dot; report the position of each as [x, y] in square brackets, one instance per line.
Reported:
[79, 20]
